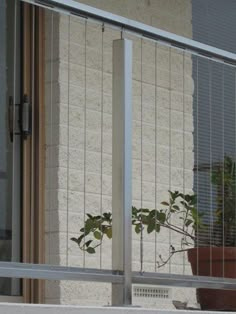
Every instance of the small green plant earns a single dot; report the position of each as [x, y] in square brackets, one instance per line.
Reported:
[93, 232]
[179, 214]
[181, 206]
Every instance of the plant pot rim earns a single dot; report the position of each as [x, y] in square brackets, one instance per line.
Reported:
[202, 248]
[214, 253]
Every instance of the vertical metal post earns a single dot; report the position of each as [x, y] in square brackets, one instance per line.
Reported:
[122, 169]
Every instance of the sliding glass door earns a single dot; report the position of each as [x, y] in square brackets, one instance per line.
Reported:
[10, 141]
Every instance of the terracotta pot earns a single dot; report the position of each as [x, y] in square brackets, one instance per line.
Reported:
[206, 261]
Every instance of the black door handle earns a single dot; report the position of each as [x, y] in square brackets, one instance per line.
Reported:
[10, 118]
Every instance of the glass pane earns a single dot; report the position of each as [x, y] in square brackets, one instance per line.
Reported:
[10, 204]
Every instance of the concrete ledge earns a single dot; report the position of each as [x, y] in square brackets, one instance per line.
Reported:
[9, 308]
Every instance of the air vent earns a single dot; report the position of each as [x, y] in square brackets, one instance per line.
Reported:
[151, 292]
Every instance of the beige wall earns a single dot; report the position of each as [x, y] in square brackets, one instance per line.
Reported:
[67, 79]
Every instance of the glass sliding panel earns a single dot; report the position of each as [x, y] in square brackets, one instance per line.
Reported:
[9, 145]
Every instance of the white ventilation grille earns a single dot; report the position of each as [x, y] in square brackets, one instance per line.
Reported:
[151, 292]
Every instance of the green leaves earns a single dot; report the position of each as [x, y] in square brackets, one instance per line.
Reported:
[178, 205]
[97, 235]
[93, 231]
[165, 203]
[74, 239]
[91, 250]
[138, 228]
[88, 243]
[161, 217]
[175, 207]
[151, 226]
[109, 233]
[78, 240]
[157, 228]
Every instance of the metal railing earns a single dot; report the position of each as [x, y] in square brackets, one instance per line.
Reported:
[122, 276]
[122, 23]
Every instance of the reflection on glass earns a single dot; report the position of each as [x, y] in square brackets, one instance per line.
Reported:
[8, 242]
[214, 178]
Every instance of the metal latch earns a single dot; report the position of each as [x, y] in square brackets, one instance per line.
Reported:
[19, 118]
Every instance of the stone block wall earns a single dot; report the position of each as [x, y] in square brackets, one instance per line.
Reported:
[79, 150]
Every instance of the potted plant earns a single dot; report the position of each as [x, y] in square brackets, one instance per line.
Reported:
[217, 256]
[208, 257]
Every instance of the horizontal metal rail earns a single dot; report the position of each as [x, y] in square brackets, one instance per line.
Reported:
[73, 7]
[51, 272]
[184, 280]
